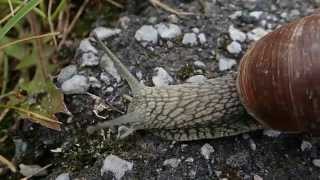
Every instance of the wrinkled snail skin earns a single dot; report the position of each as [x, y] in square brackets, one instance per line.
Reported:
[279, 77]
[278, 84]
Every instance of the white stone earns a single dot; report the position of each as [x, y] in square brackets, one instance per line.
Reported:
[78, 84]
[199, 64]
[56, 150]
[252, 144]
[316, 162]
[31, 170]
[206, 150]
[256, 14]
[89, 59]
[196, 79]
[124, 22]
[235, 15]
[116, 165]
[162, 77]
[189, 159]
[190, 39]
[257, 34]
[147, 34]
[173, 162]
[196, 30]
[226, 63]
[86, 46]
[257, 177]
[105, 78]
[66, 73]
[63, 176]
[108, 65]
[236, 35]
[104, 33]
[271, 133]
[202, 38]
[306, 145]
[168, 31]
[94, 82]
[173, 18]
[234, 47]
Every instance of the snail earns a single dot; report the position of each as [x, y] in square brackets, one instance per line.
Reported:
[277, 86]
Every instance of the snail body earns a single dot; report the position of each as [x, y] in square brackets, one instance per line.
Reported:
[278, 84]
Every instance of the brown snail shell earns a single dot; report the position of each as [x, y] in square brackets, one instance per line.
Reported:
[279, 77]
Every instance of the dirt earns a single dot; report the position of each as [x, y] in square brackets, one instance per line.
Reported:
[234, 158]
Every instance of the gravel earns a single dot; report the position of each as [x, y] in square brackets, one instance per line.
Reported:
[78, 84]
[196, 79]
[202, 38]
[116, 165]
[190, 39]
[89, 59]
[173, 162]
[306, 145]
[168, 31]
[161, 77]
[63, 176]
[147, 34]
[207, 150]
[226, 63]
[66, 73]
[256, 34]
[234, 47]
[104, 32]
[236, 35]
[86, 46]
[107, 64]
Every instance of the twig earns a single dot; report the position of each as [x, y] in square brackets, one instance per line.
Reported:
[4, 113]
[11, 7]
[9, 164]
[28, 39]
[50, 23]
[10, 15]
[41, 169]
[168, 8]
[115, 4]
[72, 24]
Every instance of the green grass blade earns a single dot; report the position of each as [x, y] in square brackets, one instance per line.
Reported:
[20, 14]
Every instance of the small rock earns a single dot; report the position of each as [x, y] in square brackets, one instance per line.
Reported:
[78, 84]
[252, 144]
[116, 165]
[31, 170]
[63, 176]
[257, 177]
[316, 162]
[237, 35]
[190, 39]
[218, 173]
[199, 64]
[152, 20]
[202, 38]
[56, 150]
[124, 22]
[173, 18]
[256, 34]
[147, 34]
[162, 77]
[105, 78]
[271, 133]
[107, 64]
[206, 150]
[306, 145]
[196, 30]
[256, 14]
[235, 15]
[234, 47]
[66, 73]
[94, 82]
[86, 46]
[173, 162]
[189, 159]
[89, 59]
[226, 63]
[168, 31]
[104, 33]
[196, 79]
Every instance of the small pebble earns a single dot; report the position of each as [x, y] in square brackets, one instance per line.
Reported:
[89, 59]
[189, 159]
[235, 15]
[199, 64]
[31, 170]
[66, 73]
[94, 82]
[190, 39]
[305, 145]
[196, 30]
[78, 84]
[271, 133]
[63, 176]
[105, 78]
[237, 35]
[173, 18]
[168, 31]
[257, 177]
[86, 46]
[226, 63]
[202, 38]
[124, 22]
[206, 150]
[107, 64]
[256, 34]
[173, 162]
[234, 47]
[104, 33]
[161, 78]
[147, 34]
[256, 14]
[196, 79]
[116, 165]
